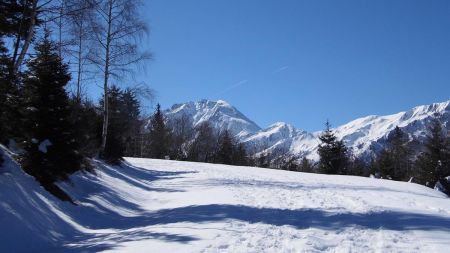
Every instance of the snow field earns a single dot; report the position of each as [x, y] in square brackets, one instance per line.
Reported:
[150, 205]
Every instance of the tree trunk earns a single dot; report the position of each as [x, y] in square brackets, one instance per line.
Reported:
[27, 41]
[80, 47]
[60, 29]
[106, 77]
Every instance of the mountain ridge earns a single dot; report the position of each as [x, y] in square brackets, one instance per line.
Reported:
[363, 136]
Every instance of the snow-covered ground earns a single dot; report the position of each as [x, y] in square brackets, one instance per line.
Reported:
[167, 206]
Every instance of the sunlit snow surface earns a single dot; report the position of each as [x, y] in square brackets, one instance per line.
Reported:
[167, 206]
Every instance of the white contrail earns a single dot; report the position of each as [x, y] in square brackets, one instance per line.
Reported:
[234, 86]
[281, 69]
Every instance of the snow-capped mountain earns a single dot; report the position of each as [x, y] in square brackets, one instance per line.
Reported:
[220, 114]
[363, 136]
[369, 133]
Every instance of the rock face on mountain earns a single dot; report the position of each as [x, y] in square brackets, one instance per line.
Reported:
[363, 136]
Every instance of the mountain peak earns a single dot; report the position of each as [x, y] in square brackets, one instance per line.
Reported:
[433, 108]
[223, 103]
[219, 114]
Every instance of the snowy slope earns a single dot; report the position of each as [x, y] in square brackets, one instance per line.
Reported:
[363, 136]
[167, 206]
[220, 114]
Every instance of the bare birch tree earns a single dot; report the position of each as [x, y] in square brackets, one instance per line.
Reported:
[80, 14]
[25, 33]
[117, 28]
[34, 13]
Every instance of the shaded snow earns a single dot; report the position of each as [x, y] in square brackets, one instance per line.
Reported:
[167, 206]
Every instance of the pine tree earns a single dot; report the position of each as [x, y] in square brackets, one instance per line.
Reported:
[394, 161]
[182, 132]
[123, 124]
[306, 165]
[202, 148]
[262, 160]
[332, 152]
[131, 112]
[434, 162]
[115, 143]
[11, 11]
[226, 147]
[158, 136]
[88, 121]
[51, 148]
[4, 90]
[240, 155]
[358, 167]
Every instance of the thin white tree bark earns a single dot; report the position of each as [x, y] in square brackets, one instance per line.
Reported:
[28, 39]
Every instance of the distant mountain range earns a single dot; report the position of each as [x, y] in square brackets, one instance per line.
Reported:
[364, 136]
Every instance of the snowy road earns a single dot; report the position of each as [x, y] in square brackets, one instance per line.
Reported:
[168, 206]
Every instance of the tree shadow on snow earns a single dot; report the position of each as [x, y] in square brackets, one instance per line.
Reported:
[102, 242]
[102, 206]
[136, 228]
[140, 177]
[127, 221]
[301, 218]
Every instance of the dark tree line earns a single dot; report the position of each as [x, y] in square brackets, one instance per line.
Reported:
[396, 161]
[433, 164]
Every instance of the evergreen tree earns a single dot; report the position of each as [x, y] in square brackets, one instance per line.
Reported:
[384, 164]
[332, 152]
[88, 121]
[287, 162]
[434, 162]
[394, 161]
[115, 144]
[8, 89]
[123, 124]
[240, 155]
[182, 132]
[262, 160]
[358, 167]
[51, 146]
[131, 113]
[202, 148]
[226, 147]
[4, 90]
[306, 165]
[158, 136]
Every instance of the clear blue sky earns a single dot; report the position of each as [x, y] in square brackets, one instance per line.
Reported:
[301, 61]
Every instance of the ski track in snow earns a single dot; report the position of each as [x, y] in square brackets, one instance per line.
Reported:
[167, 206]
